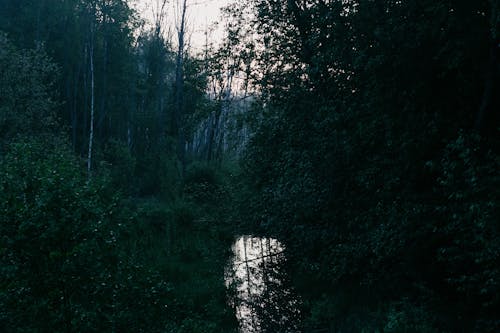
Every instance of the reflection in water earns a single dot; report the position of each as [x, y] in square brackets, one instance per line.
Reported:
[263, 302]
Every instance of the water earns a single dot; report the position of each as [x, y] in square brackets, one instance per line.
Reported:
[262, 299]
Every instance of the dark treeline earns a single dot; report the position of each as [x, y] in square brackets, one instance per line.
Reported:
[364, 135]
[376, 159]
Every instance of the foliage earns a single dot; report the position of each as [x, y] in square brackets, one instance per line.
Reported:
[26, 98]
[357, 167]
[74, 254]
[62, 267]
[121, 164]
[74, 257]
[373, 157]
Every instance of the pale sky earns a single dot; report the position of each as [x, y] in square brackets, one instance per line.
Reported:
[200, 14]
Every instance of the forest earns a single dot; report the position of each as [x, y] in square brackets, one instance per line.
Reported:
[352, 145]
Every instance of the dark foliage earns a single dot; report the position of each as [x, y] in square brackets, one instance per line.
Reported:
[374, 162]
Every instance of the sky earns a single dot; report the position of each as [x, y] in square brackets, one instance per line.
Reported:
[200, 14]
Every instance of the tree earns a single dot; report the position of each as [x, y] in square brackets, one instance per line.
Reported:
[92, 91]
[356, 120]
[178, 116]
[27, 100]
[65, 35]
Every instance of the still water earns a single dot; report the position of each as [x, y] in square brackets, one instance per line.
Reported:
[262, 299]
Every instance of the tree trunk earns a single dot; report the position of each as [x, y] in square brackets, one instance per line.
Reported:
[179, 85]
[101, 124]
[92, 99]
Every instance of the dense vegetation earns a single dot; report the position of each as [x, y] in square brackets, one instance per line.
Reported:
[377, 160]
[363, 134]
[118, 240]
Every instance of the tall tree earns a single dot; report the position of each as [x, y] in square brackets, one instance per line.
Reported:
[178, 115]
[92, 89]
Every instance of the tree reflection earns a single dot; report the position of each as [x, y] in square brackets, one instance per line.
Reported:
[263, 299]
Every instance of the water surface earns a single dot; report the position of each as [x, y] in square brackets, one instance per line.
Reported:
[262, 299]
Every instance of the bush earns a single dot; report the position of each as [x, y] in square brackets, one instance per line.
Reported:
[62, 264]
